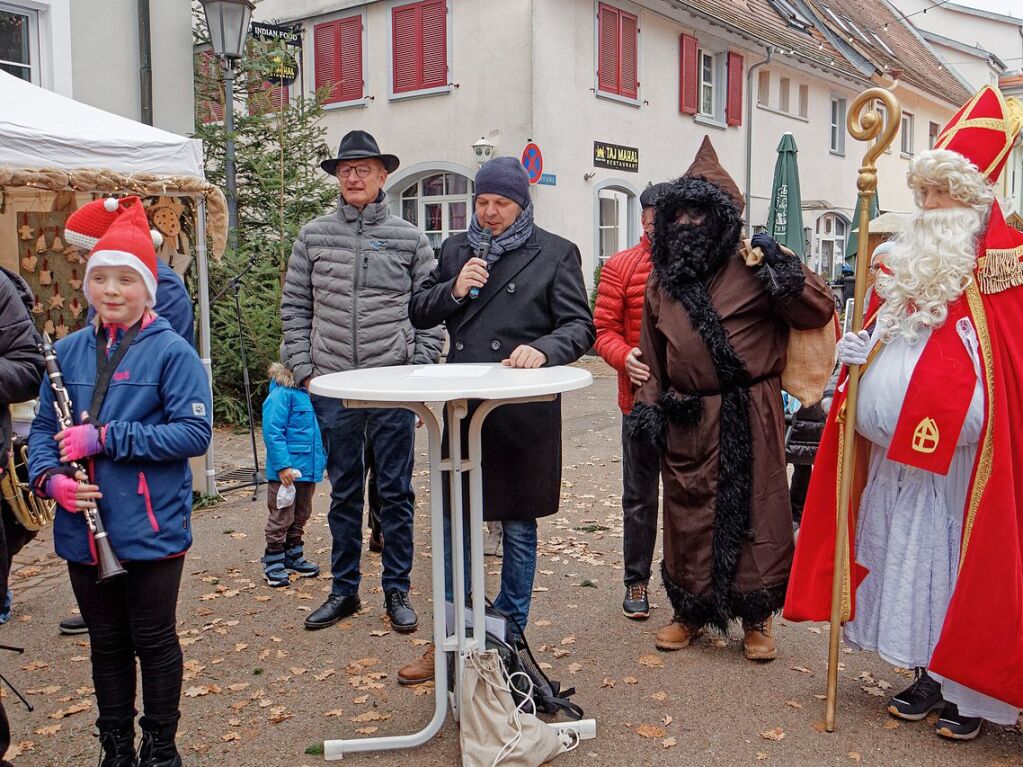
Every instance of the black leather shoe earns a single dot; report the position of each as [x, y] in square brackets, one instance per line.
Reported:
[403, 618]
[74, 624]
[334, 609]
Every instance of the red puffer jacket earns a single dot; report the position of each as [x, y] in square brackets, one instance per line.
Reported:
[619, 311]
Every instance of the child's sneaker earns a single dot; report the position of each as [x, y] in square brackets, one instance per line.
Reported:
[274, 570]
[295, 561]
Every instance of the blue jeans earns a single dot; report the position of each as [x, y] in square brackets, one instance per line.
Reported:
[518, 568]
[391, 432]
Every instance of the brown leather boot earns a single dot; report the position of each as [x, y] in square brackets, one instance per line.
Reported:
[759, 644]
[676, 636]
[418, 671]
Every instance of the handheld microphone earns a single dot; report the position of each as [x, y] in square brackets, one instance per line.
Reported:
[484, 252]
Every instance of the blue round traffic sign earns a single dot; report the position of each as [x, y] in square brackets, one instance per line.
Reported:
[532, 161]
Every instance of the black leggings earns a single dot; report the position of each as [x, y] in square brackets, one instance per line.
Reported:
[132, 616]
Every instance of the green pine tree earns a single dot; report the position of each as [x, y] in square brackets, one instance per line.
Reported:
[280, 187]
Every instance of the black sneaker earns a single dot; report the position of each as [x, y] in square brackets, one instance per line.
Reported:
[399, 610]
[637, 602]
[917, 700]
[74, 624]
[334, 609]
[952, 725]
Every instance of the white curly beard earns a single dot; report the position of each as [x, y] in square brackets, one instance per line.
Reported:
[931, 264]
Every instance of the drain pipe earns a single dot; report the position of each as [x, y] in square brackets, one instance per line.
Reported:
[145, 64]
[749, 132]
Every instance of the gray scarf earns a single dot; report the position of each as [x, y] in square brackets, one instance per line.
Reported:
[510, 239]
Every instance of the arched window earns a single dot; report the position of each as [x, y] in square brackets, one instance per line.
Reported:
[440, 204]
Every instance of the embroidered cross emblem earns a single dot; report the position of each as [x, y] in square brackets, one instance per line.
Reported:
[926, 436]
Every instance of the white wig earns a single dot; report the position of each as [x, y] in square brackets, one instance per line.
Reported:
[941, 167]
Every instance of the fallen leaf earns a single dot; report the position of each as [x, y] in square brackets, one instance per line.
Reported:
[666, 720]
[669, 742]
[891, 724]
[335, 712]
[793, 703]
[761, 756]
[660, 697]
[227, 737]
[568, 640]
[630, 680]
[607, 683]
[50, 729]
[35, 665]
[324, 675]
[855, 756]
[574, 667]
[371, 716]
[802, 670]
[379, 633]
[297, 671]
[240, 646]
[48, 690]
[77, 708]
[238, 686]
[367, 730]
[877, 692]
[201, 690]
[361, 699]
[651, 661]
[278, 714]
[776, 734]
[650, 731]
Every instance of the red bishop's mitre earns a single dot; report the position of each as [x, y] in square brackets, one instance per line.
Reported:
[984, 130]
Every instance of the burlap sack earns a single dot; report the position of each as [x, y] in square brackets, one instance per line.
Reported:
[810, 359]
[493, 732]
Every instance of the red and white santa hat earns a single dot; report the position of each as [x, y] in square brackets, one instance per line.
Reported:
[117, 232]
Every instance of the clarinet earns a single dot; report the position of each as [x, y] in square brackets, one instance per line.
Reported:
[109, 566]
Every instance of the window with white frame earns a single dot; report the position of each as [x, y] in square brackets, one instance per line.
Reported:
[439, 204]
[907, 133]
[832, 231]
[19, 43]
[804, 100]
[883, 111]
[784, 88]
[613, 222]
[933, 131]
[837, 125]
[708, 84]
[764, 88]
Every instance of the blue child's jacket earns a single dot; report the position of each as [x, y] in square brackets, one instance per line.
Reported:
[158, 413]
[290, 430]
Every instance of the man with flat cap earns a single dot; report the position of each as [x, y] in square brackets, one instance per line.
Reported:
[345, 307]
[618, 316]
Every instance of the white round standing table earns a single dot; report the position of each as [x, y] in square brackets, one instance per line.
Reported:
[411, 387]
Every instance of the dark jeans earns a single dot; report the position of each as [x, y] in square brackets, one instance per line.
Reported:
[14, 539]
[797, 489]
[372, 493]
[134, 616]
[518, 569]
[285, 527]
[391, 432]
[641, 470]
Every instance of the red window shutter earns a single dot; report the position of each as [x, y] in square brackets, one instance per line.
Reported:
[629, 57]
[434, 44]
[267, 98]
[733, 106]
[350, 59]
[406, 53]
[326, 60]
[211, 103]
[608, 59]
[689, 76]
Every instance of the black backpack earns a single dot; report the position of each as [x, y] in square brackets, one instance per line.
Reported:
[547, 696]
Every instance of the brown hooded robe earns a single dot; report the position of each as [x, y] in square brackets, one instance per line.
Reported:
[713, 402]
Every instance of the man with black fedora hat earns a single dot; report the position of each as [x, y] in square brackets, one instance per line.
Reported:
[345, 307]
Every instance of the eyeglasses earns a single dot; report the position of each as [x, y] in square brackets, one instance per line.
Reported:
[344, 171]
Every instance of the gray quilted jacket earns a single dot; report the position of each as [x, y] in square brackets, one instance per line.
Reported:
[346, 294]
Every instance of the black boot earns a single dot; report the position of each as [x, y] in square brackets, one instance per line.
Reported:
[158, 748]
[118, 744]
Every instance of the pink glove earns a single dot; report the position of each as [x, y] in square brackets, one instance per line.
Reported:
[79, 442]
[64, 490]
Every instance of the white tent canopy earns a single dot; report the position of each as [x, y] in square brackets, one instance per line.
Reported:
[42, 129]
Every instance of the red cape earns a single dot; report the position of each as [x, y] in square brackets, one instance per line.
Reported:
[981, 643]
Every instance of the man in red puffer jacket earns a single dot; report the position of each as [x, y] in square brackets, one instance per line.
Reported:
[618, 315]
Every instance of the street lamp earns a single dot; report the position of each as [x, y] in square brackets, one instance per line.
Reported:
[228, 23]
[483, 150]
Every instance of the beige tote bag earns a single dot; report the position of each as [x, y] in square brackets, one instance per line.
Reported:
[494, 733]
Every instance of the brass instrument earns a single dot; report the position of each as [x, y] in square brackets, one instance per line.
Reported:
[109, 566]
[30, 511]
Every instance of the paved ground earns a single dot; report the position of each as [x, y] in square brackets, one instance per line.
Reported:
[262, 691]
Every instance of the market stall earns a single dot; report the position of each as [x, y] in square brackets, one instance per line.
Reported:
[57, 154]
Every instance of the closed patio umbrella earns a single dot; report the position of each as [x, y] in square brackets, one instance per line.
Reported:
[785, 218]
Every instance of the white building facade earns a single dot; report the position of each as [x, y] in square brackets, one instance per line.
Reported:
[615, 94]
[90, 50]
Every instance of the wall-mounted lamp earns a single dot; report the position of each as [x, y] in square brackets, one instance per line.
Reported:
[483, 149]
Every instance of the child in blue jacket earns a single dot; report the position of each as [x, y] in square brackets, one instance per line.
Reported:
[155, 414]
[294, 454]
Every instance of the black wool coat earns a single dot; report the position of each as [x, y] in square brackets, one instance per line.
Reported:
[536, 296]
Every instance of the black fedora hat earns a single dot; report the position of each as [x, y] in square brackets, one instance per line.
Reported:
[359, 145]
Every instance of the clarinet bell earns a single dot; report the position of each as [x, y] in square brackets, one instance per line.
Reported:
[108, 565]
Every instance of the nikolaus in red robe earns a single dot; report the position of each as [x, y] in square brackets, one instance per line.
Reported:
[968, 370]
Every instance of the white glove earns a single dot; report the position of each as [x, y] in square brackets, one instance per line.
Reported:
[853, 348]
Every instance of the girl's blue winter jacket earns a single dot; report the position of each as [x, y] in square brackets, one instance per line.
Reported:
[157, 413]
[290, 431]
